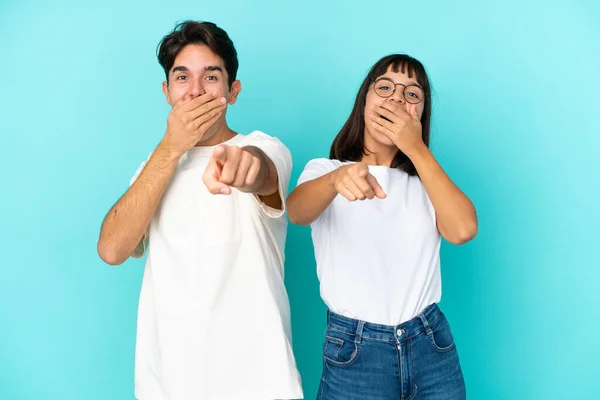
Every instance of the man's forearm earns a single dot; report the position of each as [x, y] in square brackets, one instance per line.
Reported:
[267, 182]
[126, 222]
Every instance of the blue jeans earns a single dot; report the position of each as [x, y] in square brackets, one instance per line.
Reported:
[414, 360]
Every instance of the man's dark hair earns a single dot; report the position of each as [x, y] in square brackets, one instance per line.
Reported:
[194, 32]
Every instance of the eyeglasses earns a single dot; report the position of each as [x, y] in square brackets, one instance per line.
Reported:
[385, 87]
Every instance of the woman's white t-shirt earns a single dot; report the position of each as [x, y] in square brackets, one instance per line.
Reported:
[377, 260]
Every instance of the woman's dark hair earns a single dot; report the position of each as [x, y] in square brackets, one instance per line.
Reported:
[193, 32]
[349, 144]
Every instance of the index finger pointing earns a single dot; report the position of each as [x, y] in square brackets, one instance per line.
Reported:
[379, 193]
[220, 153]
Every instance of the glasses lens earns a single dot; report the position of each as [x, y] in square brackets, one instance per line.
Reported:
[413, 94]
[384, 87]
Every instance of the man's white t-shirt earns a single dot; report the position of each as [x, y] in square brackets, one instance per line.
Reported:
[377, 260]
[214, 317]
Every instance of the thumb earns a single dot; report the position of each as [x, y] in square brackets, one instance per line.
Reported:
[211, 179]
[379, 193]
[363, 170]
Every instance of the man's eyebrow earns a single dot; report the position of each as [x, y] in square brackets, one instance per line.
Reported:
[213, 68]
[180, 68]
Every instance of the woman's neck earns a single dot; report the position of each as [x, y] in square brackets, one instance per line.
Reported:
[378, 154]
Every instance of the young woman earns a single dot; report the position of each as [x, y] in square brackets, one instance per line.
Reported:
[377, 209]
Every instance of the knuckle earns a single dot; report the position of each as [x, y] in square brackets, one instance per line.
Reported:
[239, 181]
[204, 108]
[234, 154]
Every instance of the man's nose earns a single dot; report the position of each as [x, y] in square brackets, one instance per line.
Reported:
[196, 89]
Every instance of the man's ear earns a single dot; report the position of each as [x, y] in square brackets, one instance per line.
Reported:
[236, 88]
[165, 89]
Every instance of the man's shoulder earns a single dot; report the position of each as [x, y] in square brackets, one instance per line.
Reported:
[271, 145]
[257, 136]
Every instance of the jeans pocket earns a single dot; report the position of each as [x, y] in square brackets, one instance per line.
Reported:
[441, 336]
[339, 351]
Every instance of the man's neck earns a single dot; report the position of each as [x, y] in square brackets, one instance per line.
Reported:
[223, 134]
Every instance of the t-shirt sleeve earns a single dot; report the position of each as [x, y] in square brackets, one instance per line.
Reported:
[143, 244]
[281, 156]
[139, 171]
[315, 169]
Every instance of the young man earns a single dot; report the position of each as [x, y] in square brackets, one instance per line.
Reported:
[214, 318]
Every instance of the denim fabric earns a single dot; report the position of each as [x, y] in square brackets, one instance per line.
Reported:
[415, 360]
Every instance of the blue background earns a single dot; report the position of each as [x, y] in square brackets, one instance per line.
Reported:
[515, 111]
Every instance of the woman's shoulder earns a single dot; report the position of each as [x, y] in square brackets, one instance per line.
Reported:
[318, 167]
[325, 164]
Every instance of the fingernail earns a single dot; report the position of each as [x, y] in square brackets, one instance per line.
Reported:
[223, 190]
[222, 100]
[214, 94]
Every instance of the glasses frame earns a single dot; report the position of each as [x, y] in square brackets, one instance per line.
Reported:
[394, 91]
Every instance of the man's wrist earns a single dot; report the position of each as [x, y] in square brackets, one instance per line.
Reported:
[264, 174]
[172, 152]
